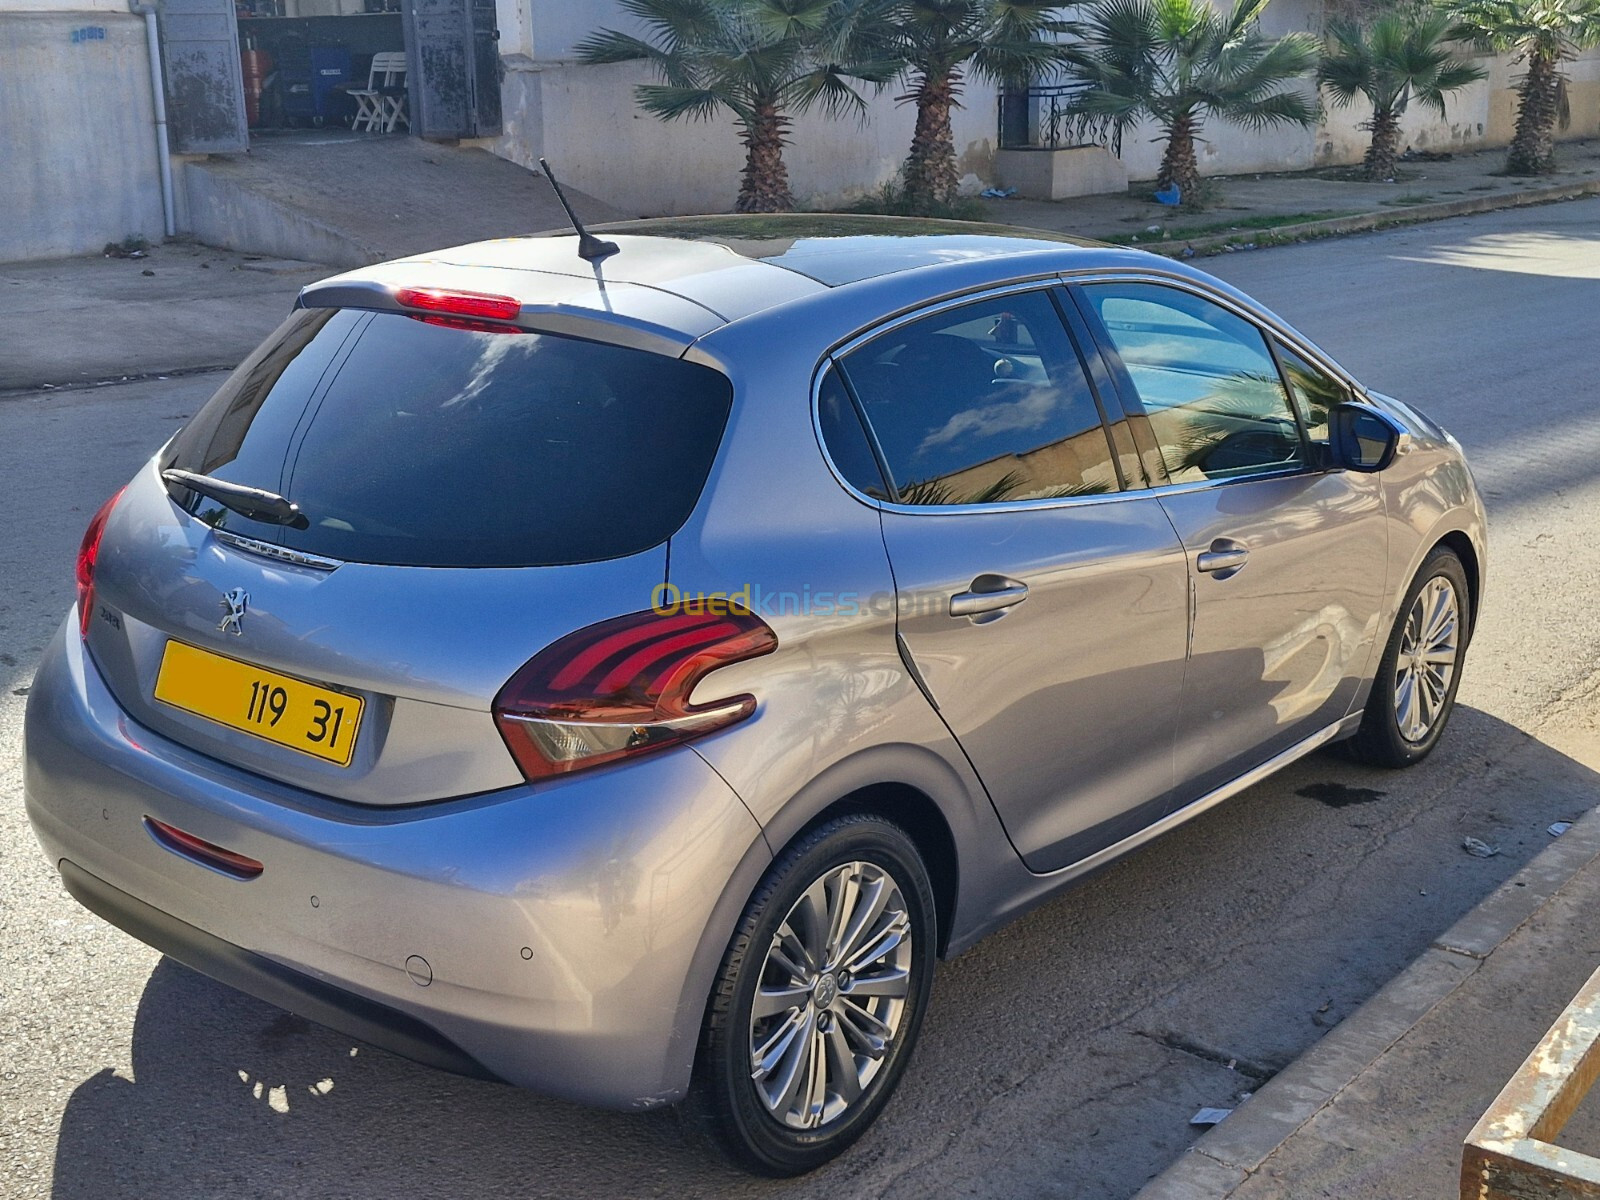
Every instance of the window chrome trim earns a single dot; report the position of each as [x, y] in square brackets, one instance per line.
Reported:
[1033, 283]
[830, 361]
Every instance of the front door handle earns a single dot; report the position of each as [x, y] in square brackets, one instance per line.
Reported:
[1225, 557]
[988, 594]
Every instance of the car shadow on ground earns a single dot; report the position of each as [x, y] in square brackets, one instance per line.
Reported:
[1064, 1052]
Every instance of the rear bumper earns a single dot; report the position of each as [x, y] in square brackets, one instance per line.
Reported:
[270, 981]
[559, 938]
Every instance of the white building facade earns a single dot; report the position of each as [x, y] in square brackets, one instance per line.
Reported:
[77, 111]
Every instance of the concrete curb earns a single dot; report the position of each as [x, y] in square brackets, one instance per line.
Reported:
[1223, 1158]
[1367, 222]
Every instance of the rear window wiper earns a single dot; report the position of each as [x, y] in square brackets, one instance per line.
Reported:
[257, 504]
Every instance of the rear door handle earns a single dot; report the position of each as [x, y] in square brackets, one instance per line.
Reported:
[1225, 555]
[987, 594]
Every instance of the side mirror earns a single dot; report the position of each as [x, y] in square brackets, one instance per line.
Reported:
[1364, 439]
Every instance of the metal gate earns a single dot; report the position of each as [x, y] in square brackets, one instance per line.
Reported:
[205, 91]
[486, 70]
[455, 67]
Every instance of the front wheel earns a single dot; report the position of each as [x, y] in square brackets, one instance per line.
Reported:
[820, 998]
[1414, 691]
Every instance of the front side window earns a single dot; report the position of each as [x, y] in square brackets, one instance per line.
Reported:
[1206, 380]
[1314, 390]
[982, 403]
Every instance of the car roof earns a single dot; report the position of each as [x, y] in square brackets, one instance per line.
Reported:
[835, 249]
[675, 279]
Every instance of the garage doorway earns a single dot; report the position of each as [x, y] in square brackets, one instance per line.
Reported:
[237, 69]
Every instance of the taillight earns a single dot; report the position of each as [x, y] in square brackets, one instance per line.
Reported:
[460, 304]
[207, 853]
[622, 688]
[88, 554]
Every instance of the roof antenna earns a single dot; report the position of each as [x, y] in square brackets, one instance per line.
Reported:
[590, 248]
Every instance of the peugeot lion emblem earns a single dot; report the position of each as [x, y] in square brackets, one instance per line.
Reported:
[236, 601]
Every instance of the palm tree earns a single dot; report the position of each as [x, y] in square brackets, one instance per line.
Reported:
[1400, 57]
[760, 60]
[1177, 62]
[938, 44]
[1544, 34]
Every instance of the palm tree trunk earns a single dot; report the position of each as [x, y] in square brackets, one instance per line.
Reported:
[1384, 152]
[931, 168]
[764, 186]
[1533, 146]
[1178, 162]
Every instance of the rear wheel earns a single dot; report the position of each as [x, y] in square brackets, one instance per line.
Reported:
[1414, 691]
[820, 998]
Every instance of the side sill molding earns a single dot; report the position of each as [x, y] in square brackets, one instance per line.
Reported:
[1332, 733]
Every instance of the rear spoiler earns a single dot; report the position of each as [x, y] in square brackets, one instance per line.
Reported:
[612, 323]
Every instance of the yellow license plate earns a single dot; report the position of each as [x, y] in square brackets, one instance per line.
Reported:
[291, 712]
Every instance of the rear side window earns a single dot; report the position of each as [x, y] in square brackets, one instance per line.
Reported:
[416, 443]
[981, 403]
[846, 440]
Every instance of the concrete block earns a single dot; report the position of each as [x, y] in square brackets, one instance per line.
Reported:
[1060, 174]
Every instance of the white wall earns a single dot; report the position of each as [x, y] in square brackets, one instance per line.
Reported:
[7, 7]
[77, 122]
[585, 119]
[1223, 149]
[557, 26]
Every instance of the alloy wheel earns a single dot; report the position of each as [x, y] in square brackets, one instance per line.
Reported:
[832, 995]
[1429, 649]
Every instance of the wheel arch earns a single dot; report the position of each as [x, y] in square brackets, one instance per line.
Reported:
[934, 796]
[940, 807]
[1460, 544]
[914, 811]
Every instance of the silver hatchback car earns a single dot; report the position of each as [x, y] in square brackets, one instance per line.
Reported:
[623, 675]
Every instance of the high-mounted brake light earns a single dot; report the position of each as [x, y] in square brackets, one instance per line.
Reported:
[470, 324]
[622, 688]
[88, 555]
[460, 304]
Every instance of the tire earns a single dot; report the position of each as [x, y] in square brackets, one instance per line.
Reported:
[750, 1115]
[1393, 734]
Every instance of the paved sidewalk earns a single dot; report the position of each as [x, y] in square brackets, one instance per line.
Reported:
[1378, 1109]
[1248, 211]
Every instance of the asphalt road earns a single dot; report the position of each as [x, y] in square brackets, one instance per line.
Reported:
[1064, 1055]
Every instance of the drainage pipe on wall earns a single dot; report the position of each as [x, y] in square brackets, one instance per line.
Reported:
[159, 91]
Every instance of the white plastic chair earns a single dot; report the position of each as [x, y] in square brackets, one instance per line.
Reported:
[381, 104]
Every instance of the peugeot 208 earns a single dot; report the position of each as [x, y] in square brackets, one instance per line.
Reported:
[624, 676]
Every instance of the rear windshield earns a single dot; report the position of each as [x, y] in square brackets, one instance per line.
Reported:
[417, 443]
